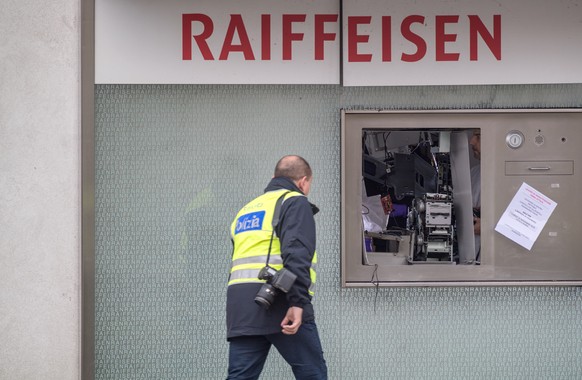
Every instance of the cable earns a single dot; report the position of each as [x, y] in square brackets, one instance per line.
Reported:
[376, 282]
[367, 210]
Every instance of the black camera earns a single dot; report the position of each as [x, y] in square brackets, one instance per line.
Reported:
[282, 280]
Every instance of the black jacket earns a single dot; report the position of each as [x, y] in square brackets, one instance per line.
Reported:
[296, 232]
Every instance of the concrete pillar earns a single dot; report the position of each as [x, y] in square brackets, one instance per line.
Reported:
[40, 190]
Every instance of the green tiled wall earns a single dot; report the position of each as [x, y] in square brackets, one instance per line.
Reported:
[173, 165]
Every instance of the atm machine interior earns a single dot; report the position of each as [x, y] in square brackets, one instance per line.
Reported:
[423, 177]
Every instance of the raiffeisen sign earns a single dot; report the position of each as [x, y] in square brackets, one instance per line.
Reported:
[375, 43]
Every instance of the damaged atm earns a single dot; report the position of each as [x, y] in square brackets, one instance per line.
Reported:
[425, 184]
[410, 171]
[472, 197]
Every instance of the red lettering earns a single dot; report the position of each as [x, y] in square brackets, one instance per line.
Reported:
[442, 38]
[288, 35]
[321, 36]
[354, 39]
[236, 37]
[187, 20]
[237, 25]
[414, 38]
[265, 37]
[476, 27]
[386, 39]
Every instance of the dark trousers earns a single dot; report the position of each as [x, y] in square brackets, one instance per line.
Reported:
[247, 354]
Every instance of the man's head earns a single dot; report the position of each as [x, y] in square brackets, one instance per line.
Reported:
[297, 169]
[475, 143]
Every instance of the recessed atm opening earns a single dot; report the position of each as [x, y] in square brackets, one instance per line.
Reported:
[420, 192]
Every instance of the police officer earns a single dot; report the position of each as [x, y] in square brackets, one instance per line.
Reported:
[288, 321]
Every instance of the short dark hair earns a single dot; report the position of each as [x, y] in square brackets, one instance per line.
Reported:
[294, 167]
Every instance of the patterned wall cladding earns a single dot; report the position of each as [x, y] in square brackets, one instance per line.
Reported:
[173, 165]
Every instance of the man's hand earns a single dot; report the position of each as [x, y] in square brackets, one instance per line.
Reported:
[292, 320]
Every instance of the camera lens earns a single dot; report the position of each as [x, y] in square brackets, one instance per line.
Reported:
[265, 296]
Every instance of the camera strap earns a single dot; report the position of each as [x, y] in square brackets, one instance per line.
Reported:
[275, 221]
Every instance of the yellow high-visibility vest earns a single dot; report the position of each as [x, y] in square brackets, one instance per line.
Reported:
[251, 231]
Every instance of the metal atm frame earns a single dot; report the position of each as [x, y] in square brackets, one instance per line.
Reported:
[539, 147]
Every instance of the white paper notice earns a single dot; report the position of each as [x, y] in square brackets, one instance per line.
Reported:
[526, 216]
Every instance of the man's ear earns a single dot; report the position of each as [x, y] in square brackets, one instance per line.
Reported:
[301, 183]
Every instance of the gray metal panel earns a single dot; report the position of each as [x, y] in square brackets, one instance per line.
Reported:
[555, 255]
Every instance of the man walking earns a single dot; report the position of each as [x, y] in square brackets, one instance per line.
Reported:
[274, 239]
